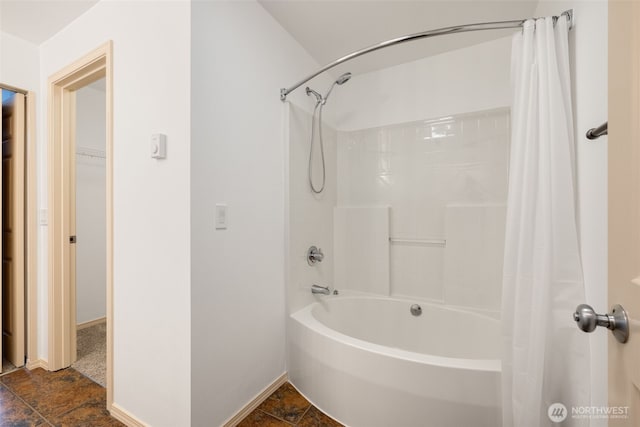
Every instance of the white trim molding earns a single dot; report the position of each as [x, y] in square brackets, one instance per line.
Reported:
[90, 323]
[38, 363]
[125, 416]
[256, 401]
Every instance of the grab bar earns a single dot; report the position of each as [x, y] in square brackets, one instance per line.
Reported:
[429, 242]
[595, 133]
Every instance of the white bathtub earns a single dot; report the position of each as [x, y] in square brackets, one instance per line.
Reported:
[368, 362]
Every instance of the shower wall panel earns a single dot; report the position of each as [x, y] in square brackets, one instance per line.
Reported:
[310, 215]
[420, 169]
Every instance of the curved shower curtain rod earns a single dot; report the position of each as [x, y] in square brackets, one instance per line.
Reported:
[500, 25]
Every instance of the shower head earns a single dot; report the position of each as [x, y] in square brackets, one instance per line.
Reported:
[339, 81]
[343, 78]
[319, 98]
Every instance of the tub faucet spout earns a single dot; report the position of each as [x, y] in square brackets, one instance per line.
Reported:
[317, 289]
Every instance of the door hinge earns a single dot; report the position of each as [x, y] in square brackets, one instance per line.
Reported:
[72, 239]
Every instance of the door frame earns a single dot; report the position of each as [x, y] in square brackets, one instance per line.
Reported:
[61, 146]
[31, 229]
[624, 203]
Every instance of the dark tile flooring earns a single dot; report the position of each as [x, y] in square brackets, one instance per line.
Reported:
[61, 398]
[285, 408]
[68, 398]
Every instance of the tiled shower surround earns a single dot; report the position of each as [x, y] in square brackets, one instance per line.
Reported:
[445, 181]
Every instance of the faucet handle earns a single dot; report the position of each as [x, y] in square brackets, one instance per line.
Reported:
[314, 255]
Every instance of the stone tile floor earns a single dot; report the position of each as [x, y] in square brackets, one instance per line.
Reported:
[61, 398]
[285, 408]
[68, 398]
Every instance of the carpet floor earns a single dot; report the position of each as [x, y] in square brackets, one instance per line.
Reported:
[7, 366]
[92, 353]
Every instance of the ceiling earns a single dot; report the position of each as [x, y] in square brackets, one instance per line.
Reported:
[330, 29]
[327, 29]
[38, 20]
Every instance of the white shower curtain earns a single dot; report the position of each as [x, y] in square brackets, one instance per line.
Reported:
[545, 356]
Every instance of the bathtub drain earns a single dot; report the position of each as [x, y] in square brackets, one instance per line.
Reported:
[416, 310]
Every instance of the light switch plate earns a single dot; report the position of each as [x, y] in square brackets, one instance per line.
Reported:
[221, 217]
[158, 146]
[44, 217]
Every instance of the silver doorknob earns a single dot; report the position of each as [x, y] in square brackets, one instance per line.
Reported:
[616, 321]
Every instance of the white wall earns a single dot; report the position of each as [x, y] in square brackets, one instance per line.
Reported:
[91, 246]
[465, 80]
[310, 215]
[19, 62]
[151, 42]
[241, 57]
[588, 46]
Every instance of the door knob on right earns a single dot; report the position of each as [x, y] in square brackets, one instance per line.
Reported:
[616, 321]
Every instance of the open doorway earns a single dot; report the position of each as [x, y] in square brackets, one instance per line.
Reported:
[66, 88]
[18, 240]
[13, 346]
[90, 242]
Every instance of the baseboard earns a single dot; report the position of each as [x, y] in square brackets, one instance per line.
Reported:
[256, 401]
[38, 363]
[91, 323]
[125, 417]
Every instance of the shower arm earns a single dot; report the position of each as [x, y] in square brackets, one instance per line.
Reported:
[500, 25]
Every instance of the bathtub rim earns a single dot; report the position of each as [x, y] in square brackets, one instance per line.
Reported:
[307, 319]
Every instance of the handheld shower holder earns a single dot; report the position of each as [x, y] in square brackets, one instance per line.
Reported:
[320, 103]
